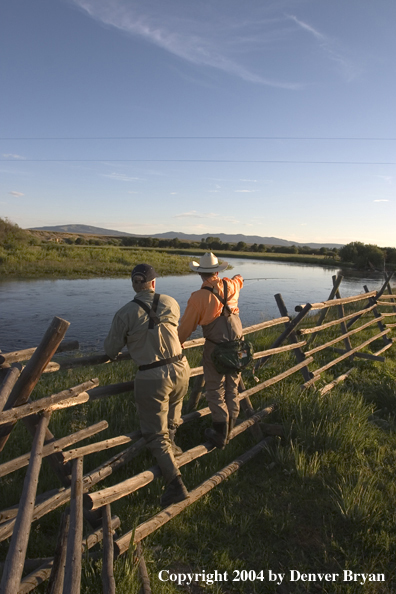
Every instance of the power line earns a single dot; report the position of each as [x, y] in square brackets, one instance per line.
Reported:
[365, 138]
[194, 161]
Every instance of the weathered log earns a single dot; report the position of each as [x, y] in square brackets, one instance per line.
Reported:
[249, 411]
[374, 299]
[108, 553]
[248, 330]
[49, 403]
[61, 497]
[332, 302]
[72, 579]
[111, 494]
[305, 331]
[292, 337]
[55, 583]
[33, 370]
[24, 355]
[341, 314]
[53, 447]
[339, 338]
[111, 390]
[387, 346]
[291, 327]
[196, 391]
[336, 381]
[8, 383]
[369, 356]
[42, 573]
[277, 350]
[144, 576]
[17, 551]
[99, 446]
[322, 316]
[317, 372]
[143, 530]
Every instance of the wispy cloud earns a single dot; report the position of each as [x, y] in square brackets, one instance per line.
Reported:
[198, 40]
[121, 177]
[249, 180]
[245, 191]
[331, 47]
[12, 156]
[381, 200]
[194, 214]
[386, 178]
[17, 194]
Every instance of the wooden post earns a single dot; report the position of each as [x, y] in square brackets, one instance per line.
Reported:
[196, 392]
[378, 315]
[341, 314]
[291, 326]
[16, 553]
[144, 576]
[31, 581]
[72, 579]
[108, 553]
[25, 354]
[33, 370]
[55, 584]
[371, 301]
[322, 316]
[9, 382]
[249, 411]
[292, 337]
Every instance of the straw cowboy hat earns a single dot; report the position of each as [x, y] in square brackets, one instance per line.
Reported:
[208, 263]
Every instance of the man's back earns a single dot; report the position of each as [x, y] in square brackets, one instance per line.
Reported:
[131, 327]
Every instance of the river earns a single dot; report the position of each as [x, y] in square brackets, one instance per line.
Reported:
[28, 306]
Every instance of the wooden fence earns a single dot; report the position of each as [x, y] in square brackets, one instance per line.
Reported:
[371, 310]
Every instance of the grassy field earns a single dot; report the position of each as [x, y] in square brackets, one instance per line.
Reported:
[64, 261]
[323, 499]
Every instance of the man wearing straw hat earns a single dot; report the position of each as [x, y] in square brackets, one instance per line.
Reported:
[148, 326]
[215, 307]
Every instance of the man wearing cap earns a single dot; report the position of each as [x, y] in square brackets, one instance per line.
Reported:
[215, 307]
[148, 326]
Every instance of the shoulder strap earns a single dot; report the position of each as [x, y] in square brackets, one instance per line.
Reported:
[222, 301]
[150, 311]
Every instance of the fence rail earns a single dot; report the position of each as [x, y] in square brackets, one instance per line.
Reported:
[64, 569]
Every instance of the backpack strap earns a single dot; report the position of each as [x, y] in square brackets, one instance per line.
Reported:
[150, 311]
[222, 301]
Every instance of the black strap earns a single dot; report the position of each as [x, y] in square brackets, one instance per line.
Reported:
[161, 362]
[222, 301]
[150, 311]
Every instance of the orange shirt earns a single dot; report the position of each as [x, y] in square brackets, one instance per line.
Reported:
[203, 306]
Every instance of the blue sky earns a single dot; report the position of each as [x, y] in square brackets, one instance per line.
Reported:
[274, 118]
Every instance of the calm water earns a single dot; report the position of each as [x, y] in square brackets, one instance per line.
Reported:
[27, 307]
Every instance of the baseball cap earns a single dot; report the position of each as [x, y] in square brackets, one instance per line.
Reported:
[146, 271]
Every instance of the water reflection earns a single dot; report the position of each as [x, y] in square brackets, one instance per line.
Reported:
[28, 306]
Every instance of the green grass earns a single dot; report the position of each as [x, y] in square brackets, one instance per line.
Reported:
[323, 499]
[21, 260]
[84, 261]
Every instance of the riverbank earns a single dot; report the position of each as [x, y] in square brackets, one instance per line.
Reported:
[66, 261]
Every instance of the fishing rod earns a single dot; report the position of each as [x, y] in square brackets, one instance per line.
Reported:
[266, 278]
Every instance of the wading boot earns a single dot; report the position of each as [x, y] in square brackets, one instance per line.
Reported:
[175, 448]
[218, 435]
[174, 492]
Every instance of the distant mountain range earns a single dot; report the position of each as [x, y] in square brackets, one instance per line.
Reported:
[224, 237]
